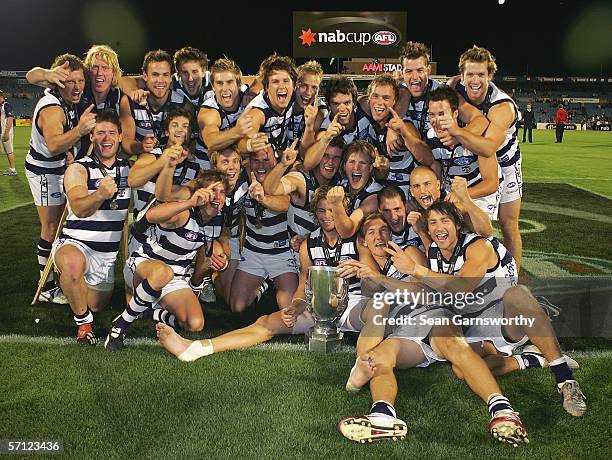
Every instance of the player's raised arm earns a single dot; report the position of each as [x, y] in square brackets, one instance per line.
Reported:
[51, 121]
[276, 182]
[314, 154]
[49, 78]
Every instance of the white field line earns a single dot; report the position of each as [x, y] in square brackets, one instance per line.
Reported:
[605, 179]
[146, 342]
[546, 208]
[20, 205]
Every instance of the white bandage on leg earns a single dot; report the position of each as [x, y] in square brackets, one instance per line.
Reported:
[196, 350]
[349, 386]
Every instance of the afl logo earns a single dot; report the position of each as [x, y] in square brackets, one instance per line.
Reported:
[462, 161]
[384, 37]
[191, 236]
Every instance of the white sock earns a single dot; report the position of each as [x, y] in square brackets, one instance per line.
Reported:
[560, 360]
[196, 350]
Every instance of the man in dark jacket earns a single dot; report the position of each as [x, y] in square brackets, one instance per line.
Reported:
[528, 123]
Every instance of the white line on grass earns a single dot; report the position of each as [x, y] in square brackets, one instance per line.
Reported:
[21, 205]
[546, 208]
[605, 179]
[277, 346]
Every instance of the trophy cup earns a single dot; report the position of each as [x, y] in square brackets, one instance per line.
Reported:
[326, 296]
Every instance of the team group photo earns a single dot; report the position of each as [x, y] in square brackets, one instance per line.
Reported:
[392, 242]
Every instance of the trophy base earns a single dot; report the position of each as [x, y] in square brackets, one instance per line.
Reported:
[327, 342]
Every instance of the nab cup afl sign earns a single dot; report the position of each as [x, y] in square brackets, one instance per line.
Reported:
[348, 34]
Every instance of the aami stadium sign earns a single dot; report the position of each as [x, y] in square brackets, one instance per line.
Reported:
[348, 33]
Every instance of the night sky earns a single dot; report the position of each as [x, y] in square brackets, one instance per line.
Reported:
[553, 38]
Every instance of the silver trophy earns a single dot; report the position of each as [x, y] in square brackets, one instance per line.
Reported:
[327, 297]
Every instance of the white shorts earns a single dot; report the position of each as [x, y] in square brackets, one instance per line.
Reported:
[417, 333]
[493, 333]
[490, 203]
[8, 145]
[512, 182]
[234, 244]
[47, 189]
[100, 266]
[176, 284]
[270, 265]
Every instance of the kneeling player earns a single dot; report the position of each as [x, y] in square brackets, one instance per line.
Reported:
[323, 247]
[98, 201]
[158, 272]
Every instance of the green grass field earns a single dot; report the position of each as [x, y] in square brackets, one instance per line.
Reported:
[278, 401]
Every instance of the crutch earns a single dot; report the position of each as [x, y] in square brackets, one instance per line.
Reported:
[49, 265]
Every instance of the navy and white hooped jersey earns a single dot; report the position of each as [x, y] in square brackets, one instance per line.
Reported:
[266, 230]
[363, 128]
[418, 111]
[371, 188]
[177, 247]
[458, 162]
[102, 230]
[299, 219]
[275, 124]
[6, 111]
[205, 92]
[184, 172]
[112, 102]
[39, 160]
[234, 202]
[317, 246]
[228, 120]
[495, 281]
[296, 125]
[407, 238]
[401, 164]
[509, 152]
[391, 271]
[149, 122]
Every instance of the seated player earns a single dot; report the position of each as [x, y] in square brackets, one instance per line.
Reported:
[483, 174]
[158, 271]
[485, 266]
[324, 247]
[98, 202]
[416, 346]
